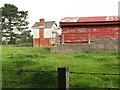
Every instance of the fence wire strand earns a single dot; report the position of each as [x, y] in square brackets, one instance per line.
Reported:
[93, 87]
[26, 82]
[22, 70]
[93, 73]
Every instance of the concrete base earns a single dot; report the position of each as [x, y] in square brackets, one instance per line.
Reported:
[103, 44]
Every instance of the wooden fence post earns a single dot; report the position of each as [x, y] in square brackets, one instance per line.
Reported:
[63, 78]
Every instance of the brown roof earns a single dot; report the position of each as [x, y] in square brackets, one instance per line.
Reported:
[47, 24]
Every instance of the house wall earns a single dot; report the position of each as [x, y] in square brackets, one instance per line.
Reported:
[36, 42]
[35, 33]
[44, 36]
[45, 42]
[85, 34]
[48, 33]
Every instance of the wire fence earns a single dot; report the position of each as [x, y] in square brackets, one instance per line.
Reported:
[99, 74]
[50, 79]
[94, 73]
[38, 78]
[22, 70]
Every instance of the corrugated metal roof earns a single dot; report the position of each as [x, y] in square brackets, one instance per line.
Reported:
[47, 24]
[90, 19]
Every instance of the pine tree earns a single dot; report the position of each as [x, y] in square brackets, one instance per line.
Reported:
[13, 22]
[25, 38]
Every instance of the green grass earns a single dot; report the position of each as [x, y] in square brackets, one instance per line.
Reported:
[41, 58]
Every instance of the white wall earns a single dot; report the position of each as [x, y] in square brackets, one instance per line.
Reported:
[47, 33]
[35, 33]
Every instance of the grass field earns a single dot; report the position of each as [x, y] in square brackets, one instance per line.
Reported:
[40, 58]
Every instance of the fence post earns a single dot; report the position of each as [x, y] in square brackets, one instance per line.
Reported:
[63, 78]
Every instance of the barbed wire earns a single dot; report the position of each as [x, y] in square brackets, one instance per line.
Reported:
[72, 86]
[27, 82]
[93, 73]
[22, 70]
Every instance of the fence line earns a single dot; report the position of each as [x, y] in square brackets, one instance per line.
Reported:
[63, 77]
[96, 88]
[93, 73]
[85, 87]
[27, 82]
[22, 70]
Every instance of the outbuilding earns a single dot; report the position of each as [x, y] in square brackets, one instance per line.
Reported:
[45, 33]
[87, 29]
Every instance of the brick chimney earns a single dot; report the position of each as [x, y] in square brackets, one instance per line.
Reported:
[41, 32]
[42, 22]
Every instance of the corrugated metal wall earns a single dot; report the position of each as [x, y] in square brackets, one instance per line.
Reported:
[84, 34]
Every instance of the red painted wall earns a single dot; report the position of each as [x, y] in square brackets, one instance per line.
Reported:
[42, 43]
[84, 34]
[36, 42]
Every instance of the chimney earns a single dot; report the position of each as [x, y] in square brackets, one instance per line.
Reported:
[42, 22]
[41, 32]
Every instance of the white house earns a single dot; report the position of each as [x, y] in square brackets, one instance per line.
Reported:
[45, 32]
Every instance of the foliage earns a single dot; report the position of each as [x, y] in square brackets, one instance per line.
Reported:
[29, 58]
[24, 39]
[14, 25]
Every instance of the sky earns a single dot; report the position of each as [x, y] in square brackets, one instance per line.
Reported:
[55, 10]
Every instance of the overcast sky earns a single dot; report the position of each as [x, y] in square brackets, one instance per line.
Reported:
[55, 10]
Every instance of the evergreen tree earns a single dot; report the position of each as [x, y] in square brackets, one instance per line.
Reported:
[13, 22]
[25, 38]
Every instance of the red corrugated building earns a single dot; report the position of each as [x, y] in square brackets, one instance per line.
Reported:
[87, 29]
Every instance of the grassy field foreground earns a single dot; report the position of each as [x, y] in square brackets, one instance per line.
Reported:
[40, 58]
